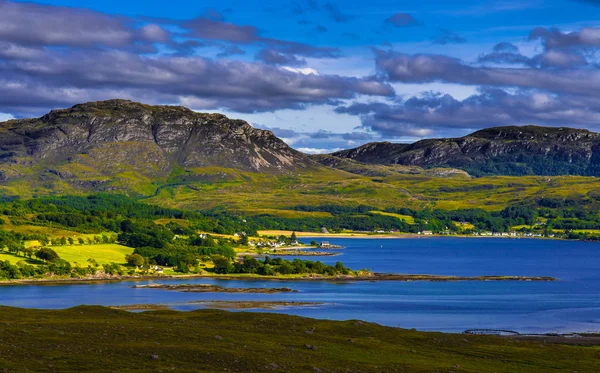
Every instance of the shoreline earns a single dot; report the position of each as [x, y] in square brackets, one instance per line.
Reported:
[396, 235]
[341, 278]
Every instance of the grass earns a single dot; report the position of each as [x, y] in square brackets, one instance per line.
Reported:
[464, 225]
[308, 234]
[406, 218]
[255, 193]
[98, 339]
[102, 253]
[260, 193]
[14, 259]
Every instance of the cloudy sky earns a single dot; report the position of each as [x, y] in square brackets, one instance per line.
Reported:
[321, 74]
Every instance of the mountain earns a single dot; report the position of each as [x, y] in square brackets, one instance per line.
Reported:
[513, 150]
[88, 144]
[381, 170]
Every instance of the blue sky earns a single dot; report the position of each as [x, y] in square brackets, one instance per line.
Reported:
[323, 75]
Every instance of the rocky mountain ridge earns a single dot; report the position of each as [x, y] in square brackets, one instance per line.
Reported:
[120, 135]
[513, 150]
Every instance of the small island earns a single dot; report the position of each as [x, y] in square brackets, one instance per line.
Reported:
[205, 288]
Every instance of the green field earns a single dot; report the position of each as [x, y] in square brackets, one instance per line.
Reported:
[14, 259]
[102, 253]
[97, 339]
[406, 218]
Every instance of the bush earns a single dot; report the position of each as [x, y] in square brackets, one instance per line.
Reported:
[222, 264]
[47, 254]
[134, 260]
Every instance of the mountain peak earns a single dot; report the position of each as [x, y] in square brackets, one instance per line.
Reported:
[511, 150]
[104, 138]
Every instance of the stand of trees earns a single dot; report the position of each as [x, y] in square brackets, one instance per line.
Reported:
[270, 267]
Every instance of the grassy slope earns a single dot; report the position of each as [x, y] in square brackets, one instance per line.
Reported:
[104, 340]
[406, 218]
[209, 187]
[259, 193]
[14, 259]
[102, 253]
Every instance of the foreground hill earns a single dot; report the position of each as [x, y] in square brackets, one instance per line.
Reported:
[528, 150]
[97, 339]
[89, 145]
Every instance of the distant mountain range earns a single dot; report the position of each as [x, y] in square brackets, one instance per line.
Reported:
[528, 150]
[119, 145]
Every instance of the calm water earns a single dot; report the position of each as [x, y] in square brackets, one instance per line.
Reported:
[571, 304]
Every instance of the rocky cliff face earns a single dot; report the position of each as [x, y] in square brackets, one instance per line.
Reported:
[122, 136]
[528, 150]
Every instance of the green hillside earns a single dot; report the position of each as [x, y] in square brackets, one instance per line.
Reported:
[218, 341]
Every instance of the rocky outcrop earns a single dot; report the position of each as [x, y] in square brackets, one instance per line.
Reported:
[528, 150]
[123, 136]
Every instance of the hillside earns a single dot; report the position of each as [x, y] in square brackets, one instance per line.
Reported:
[218, 341]
[172, 156]
[117, 144]
[527, 150]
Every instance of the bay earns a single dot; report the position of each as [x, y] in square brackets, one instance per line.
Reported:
[571, 304]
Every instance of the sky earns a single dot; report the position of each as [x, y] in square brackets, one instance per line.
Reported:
[322, 75]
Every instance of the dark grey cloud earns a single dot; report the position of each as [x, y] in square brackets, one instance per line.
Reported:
[234, 85]
[209, 29]
[33, 25]
[274, 57]
[230, 50]
[506, 53]
[554, 58]
[505, 47]
[434, 113]
[399, 20]
[30, 24]
[301, 49]
[448, 37]
[56, 56]
[554, 38]
[423, 68]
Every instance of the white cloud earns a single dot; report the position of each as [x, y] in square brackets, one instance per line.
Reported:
[5, 116]
[301, 70]
[317, 151]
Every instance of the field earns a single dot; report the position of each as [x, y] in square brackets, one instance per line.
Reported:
[98, 339]
[309, 234]
[102, 253]
[14, 259]
[406, 218]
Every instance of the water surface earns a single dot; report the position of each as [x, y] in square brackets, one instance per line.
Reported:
[570, 304]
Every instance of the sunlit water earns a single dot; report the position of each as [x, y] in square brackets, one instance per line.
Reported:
[571, 304]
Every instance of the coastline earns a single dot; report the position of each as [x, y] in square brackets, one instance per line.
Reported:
[395, 235]
[342, 278]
